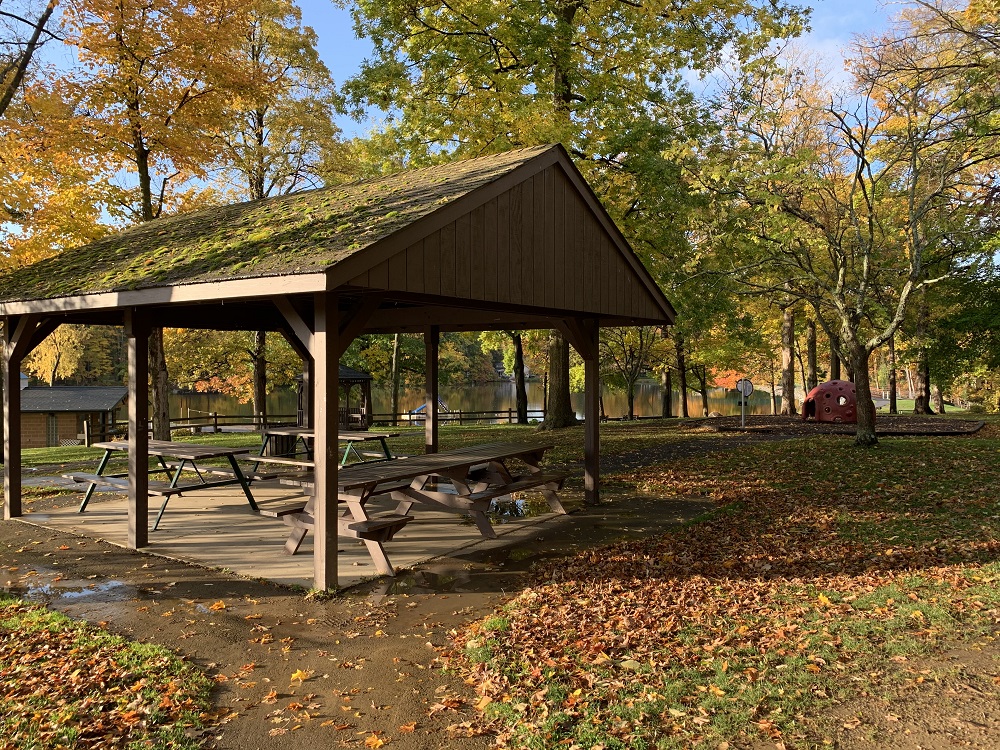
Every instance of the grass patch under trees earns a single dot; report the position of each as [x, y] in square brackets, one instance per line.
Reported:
[824, 566]
[69, 684]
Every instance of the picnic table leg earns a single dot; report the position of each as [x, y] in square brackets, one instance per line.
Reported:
[295, 538]
[479, 516]
[375, 549]
[385, 449]
[483, 524]
[243, 483]
[159, 515]
[555, 505]
[101, 466]
[381, 560]
[176, 477]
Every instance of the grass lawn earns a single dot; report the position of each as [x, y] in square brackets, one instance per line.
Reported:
[70, 684]
[823, 565]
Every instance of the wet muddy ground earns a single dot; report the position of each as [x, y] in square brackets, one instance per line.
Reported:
[372, 651]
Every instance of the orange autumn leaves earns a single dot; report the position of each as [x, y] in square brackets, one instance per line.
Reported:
[692, 629]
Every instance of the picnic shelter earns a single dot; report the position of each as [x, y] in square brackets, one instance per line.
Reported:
[511, 241]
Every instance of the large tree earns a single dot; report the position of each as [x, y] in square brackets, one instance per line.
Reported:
[24, 31]
[279, 133]
[855, 204]
[604, 77]
[156, 82]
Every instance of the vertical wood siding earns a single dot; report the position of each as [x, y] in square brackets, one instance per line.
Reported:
[537, 244]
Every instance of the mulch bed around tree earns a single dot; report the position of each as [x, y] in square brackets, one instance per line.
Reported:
[885, 425]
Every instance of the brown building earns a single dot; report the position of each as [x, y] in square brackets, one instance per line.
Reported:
[55, 416]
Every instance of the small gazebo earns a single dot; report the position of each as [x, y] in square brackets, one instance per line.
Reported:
[512, 241]
[355, 399]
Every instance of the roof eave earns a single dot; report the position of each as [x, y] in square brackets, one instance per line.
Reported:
[249, 288]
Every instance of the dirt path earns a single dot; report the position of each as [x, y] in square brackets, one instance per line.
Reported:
[371, 652]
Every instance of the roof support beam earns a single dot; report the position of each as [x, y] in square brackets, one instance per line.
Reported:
[579, 333]
[11, 418]
[589, 348]
[354, 322]
[296, 323]
[432, 345]
[326, 419]
[137, 327]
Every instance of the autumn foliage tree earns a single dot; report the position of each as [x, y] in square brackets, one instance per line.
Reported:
[854, 205]
[156, 80]
[604, 78]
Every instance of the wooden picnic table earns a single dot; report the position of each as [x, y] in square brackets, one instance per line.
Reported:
[183, 458]
[303, 436]
[464, 480]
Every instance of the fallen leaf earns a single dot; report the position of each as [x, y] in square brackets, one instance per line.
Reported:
[301, 675]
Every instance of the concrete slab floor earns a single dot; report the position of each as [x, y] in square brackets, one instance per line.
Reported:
[218, 530]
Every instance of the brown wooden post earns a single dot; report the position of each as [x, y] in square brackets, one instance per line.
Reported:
[309, 390]
[432, 340]
[137, 329]
[592, 414]
[326, 419]
[11, 422]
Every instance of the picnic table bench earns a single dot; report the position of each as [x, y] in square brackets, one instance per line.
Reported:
[184, 455]
[464, 480]
[302, 436]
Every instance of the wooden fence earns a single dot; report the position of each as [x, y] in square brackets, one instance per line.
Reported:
[508, 416]
[201, 422]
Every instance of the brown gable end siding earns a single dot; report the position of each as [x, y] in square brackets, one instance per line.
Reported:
[509, 249]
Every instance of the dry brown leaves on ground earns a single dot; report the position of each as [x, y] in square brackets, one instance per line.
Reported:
[742, 620]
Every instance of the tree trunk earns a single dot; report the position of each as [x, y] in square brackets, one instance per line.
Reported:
[520, 390]
[922, 384]
[774, 390]
[560, 409]
[394, 380]
[682, 374]
[260, 379]
[938, 397]
[666, 395]
[865, 434]
[893, 404]
[704, 390]
[834, 360]
[160, 411]
[630, 395]
[788, 362]
[812, 378]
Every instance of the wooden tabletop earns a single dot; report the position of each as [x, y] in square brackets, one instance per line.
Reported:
[184, 451]
[356, 436]
[356, 476]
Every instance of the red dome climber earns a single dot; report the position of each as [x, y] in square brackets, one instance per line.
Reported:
[833, 401]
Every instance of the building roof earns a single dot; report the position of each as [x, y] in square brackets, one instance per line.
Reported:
[349, 373]
[296, 234]
[513, 241]
[72, 398]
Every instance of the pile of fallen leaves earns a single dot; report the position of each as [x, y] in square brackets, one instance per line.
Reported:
[822, 563]
[69, 684]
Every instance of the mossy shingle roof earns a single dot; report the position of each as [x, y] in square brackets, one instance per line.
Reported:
[73, 398]
[303, 233]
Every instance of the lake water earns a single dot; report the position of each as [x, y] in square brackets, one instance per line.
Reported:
[488, 397]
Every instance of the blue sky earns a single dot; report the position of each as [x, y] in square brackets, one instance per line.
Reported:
[834, 24]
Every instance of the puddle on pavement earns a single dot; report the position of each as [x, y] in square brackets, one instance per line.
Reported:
[45, 585]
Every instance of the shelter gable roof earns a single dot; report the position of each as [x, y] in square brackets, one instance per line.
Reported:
[68, 398]
[303, 233]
